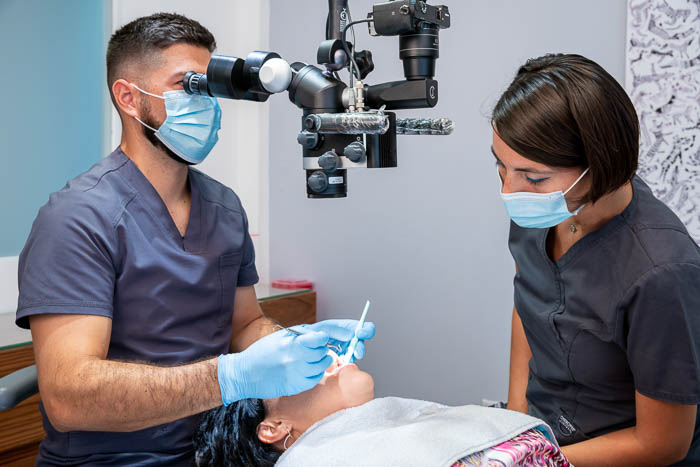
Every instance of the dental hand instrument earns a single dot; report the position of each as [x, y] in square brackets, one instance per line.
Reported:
[345, 358]
[330, 346]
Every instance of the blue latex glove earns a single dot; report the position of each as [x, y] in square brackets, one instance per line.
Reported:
[279, 364]
[340, 332]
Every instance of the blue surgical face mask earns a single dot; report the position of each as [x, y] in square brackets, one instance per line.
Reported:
[539, 210]
[191, 126]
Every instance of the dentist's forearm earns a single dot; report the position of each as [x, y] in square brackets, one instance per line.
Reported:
[104, 395]
[256, 329]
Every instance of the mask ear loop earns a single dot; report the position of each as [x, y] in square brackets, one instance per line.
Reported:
[149, 94]
[147, 126]
[146, 92]
[577, 180]
[289, 435]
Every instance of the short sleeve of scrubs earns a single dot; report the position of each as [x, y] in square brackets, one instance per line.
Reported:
[67, 263]
[662, 312]
[248, 273]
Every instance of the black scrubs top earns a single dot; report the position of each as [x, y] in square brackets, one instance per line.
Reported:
[618, 312]
[106, 245]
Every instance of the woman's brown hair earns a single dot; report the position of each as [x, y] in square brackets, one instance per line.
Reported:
[567, 111]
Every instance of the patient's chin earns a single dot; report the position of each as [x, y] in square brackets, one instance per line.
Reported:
[357, 387]
[342, 389]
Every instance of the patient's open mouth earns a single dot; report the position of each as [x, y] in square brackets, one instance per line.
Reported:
[336, 367]
[343, 367]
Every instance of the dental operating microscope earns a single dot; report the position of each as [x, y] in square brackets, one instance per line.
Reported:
[344, 125]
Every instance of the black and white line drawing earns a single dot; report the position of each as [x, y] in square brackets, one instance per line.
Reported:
[663, 80]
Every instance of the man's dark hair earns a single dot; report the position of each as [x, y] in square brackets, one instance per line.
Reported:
[567, 111]
[228, 436]
[140, 41]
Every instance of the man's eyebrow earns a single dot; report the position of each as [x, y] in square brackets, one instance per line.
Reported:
[522, 169]
[178, 74]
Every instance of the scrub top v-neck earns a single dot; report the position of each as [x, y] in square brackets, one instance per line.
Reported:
[191, 242]
[618, 312]
[107, 245]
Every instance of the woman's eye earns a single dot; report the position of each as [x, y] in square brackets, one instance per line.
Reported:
[535, 181]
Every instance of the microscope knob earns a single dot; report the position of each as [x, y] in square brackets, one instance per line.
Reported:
[329, 161]
[309, 140]
[318, 181]
[354, 151]
[312, 123]
[364, 63]
[275, 75]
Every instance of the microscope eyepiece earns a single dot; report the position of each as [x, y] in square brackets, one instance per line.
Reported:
[195, 83]
[253, 78]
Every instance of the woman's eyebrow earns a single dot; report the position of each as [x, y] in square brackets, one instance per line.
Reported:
[523, 169]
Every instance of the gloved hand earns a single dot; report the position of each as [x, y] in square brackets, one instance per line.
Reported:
[340, 332]
[279, 364]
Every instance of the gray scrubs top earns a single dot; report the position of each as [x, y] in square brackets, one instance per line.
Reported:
[106, 245]
[618, 312]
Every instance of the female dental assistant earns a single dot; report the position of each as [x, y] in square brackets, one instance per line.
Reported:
[606, 324]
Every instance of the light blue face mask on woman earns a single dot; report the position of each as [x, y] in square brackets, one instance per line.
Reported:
[191, 126]
[539, 210]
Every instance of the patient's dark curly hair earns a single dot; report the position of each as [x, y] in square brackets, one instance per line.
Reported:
[228, 436]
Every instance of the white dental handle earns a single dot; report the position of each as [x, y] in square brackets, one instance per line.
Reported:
[345, 359]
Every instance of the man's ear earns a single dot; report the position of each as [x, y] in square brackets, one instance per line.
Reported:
[124, 96]
[273, 431]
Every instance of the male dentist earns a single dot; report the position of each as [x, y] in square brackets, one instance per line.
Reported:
[137, 277]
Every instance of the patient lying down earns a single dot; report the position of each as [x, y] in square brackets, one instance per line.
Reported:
[339, 423]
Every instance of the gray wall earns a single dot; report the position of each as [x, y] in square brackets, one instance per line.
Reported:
[426, 242]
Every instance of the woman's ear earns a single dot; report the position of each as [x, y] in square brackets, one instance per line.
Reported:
[273, 431]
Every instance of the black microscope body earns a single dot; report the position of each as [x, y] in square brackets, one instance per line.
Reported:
[323, 96]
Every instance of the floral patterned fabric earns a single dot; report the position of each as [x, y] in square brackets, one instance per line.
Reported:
[531, 448]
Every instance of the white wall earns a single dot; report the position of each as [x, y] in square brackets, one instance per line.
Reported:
[240, 158]
[9, 291]
[427, 242]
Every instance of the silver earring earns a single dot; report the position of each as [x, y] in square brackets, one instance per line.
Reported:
[289, 435]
